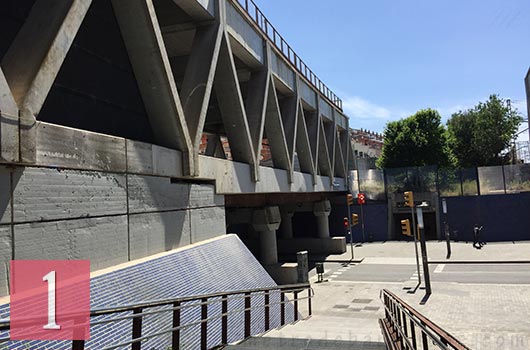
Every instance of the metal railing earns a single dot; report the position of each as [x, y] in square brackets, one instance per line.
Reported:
[137, 313]
[406, 329]
[255, 14]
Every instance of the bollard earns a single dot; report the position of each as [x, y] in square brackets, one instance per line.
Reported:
[303, 267]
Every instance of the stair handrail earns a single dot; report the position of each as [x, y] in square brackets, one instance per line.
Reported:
[202, 301]
[400, 335]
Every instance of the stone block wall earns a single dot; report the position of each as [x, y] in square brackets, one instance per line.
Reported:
[109, 218]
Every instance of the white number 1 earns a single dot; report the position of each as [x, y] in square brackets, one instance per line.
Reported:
[50, 278]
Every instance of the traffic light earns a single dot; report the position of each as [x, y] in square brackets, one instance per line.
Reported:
[361, 198]
[350, 199]
[354, 219]
[405, 228]
[409, 199]
[346, 223]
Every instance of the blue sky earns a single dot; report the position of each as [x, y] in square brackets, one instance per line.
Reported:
[387, 59]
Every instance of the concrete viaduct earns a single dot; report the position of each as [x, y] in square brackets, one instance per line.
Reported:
[133, 127]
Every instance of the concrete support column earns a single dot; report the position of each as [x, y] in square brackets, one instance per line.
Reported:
[287, 223]
[266, 221]
[322, 210]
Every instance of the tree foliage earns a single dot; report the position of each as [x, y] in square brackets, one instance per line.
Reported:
[416, 141]
[481, 135]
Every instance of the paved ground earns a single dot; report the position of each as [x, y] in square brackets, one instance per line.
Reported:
[486, 306]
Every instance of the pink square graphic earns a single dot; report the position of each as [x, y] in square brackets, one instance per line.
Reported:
[50, 300]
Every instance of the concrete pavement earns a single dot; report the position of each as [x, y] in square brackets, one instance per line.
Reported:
[486, 306]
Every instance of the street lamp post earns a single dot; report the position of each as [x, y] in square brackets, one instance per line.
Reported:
[423, 242]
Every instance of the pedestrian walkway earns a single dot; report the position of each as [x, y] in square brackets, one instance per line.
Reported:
[346, 307]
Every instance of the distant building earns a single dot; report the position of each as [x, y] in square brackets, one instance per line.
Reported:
[367, 146]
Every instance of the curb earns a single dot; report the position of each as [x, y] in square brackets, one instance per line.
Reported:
[480, 262]
[339, 261]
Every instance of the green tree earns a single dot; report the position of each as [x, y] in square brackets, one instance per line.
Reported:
[416, 141]
[481, 135]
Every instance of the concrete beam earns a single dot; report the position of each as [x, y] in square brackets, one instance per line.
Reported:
[198, 81]
[275, 132]
[312, 123]
[303, 144]
[9, 142]
[289, 115]
[324, 162]
[345, 145]
[255, 107]
[330, 132]
[61, 146]
[35, 57]
[340, 165]
[232, 109]
[197, 9]
[143, 38]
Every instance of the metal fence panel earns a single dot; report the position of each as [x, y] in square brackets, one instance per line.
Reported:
[372, 182]
[517, 178]
[449, 183]
[491, 180]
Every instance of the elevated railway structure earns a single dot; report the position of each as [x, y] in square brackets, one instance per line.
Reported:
[133, 127]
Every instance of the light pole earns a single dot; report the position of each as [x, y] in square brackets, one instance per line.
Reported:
[424, 258]
[446, 228]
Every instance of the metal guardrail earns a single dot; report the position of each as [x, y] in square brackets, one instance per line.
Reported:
[203, 301]
[406, 329]
[255, 14]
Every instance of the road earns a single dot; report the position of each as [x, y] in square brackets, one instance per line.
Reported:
[450, 273]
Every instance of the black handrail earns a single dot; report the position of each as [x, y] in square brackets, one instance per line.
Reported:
[202, 301]
[253, 12]
[401, 322]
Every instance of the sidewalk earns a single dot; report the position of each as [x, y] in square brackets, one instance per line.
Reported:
[482, 316]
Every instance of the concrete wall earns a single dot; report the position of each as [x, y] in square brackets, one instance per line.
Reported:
[109, 218]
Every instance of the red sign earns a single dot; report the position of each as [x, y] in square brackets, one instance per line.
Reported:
[361, 198]
[50, 299]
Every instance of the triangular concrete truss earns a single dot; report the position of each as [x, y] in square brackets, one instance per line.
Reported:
[248, 101]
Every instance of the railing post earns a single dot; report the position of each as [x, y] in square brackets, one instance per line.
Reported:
[78, 345]
[224, 320]
[413, 334]
[309, 306]
[296, 305]
[267, 311]
[282, 308]
[204, 324]
[424, 340]
[137, 329]
[247, 315]
[175, 336]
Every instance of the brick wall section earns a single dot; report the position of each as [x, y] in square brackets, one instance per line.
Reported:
[108, 218]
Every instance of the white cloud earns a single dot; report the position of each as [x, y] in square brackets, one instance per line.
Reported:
[358, 108]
